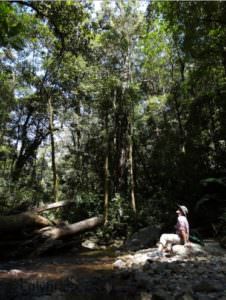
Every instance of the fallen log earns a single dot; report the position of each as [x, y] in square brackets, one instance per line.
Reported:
[71, 229]
[54, 234]
[19, 222]
[53, 205]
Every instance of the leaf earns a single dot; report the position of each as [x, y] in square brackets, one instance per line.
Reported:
[221, 181]
[204, 199]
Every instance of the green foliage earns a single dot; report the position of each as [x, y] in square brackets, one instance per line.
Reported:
[221, 181]
[11, 27]
[117, 81]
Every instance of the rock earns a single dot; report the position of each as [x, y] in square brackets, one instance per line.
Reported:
[174, 267]
[145, 237]
[193, 272]
[15, 272]
[117, 243]
[45, 297]
[89, 244]
[190, 249]
[214, 247]
[142, 279]
[145, 296]
[207, 286]
[203, 297]
[58, 295]
[185, 296]
[119, 264]
[161, 295]
[140, 259]
[125, 274]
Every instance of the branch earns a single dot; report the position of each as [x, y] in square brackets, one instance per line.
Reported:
[31, 4]
[53, 205]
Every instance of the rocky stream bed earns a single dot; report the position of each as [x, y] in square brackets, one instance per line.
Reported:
[192, 273]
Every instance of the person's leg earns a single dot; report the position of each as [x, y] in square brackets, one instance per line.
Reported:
[169, 247]
[163, 242]
[168, 239]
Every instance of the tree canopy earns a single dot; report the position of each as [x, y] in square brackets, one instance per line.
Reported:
[119, 109]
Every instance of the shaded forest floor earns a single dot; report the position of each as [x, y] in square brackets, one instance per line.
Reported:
[90, 275]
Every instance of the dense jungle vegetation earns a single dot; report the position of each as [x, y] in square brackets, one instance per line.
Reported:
[118, 106]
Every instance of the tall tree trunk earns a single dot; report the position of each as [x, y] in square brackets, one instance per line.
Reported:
[131, 173]
[106, 188]
[121, 138]
[51, 129]
[132, 184]
[214, 145]
[106, 174]
[179, 119]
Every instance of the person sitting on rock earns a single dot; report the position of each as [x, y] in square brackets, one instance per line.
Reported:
[180, 237]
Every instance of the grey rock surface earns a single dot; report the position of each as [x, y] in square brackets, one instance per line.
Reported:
[145, 237]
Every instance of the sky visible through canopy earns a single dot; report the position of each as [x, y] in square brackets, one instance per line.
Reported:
[98, 3]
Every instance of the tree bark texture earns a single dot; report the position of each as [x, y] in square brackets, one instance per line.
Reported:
[51, 129]
[132, 184]
[106, 173]
[121, 144]
[53, 206]
[54, 233]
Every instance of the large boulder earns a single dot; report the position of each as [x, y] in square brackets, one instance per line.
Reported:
[144, 238]
[190, 249]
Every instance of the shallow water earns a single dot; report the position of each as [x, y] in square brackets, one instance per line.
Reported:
[88, 275]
